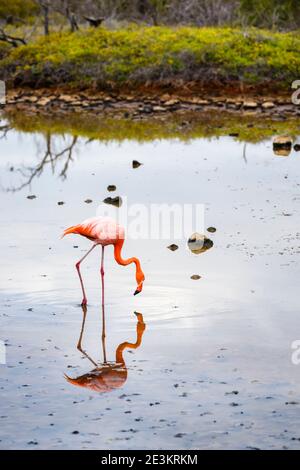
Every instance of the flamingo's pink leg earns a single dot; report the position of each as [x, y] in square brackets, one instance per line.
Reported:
[103, 307]
[102, 274]
[84, 300]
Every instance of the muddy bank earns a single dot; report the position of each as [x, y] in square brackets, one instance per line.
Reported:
[147, 104]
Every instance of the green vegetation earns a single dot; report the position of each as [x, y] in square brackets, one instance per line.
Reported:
[208, 125]
[18, 8]
[4, 50]
[136, 55]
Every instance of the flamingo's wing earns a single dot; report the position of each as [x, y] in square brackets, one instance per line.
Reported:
[101, 229]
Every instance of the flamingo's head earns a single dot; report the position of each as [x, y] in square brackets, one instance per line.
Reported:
[140, 277]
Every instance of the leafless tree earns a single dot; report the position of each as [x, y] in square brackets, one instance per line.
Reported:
[67, 8]
[202, 12]
[45, 9]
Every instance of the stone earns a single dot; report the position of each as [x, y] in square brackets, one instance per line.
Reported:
[165, 97]
[200, 101]
[282, 141]
[172, 102]
[159, 109]
[199, 243]
[44, 101]
[136, 164]
[268, 105]
[173, 247]
[113, 201]
[31, 99]
[147, 109]
[250, 104]
[66, 98]
[282, 145]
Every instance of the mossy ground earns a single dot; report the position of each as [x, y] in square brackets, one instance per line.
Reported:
[139, 55]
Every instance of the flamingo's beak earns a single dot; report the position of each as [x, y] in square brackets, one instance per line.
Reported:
[138, 289]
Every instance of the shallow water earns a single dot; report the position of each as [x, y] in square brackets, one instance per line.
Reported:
[214, 367]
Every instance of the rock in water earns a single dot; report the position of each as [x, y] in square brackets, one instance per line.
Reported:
[173, 247]
[211, 229]
[199, 243]
[114, 201]
[136, 164]
[195, 277]
[111, 188]
[282, 145]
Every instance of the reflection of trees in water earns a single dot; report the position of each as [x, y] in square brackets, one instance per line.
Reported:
[50, 156]
[4, 130]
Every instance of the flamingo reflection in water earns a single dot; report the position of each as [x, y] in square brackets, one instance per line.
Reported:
[109, 375]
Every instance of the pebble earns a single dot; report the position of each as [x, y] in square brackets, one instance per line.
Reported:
[113, 201]
[173, 247]
[136, 164]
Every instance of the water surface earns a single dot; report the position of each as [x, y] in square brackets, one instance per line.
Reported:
[214, 366]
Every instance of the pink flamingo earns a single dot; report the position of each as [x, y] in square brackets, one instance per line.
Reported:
[105, 231]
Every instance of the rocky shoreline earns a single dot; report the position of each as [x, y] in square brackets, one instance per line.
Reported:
[132, 106]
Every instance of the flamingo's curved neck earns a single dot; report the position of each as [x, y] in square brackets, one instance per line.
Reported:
[124, 262]
[121, 348]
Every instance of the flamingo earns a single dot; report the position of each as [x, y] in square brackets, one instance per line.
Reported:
[104, 231]
[110, 375]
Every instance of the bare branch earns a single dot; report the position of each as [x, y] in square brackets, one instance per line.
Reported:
[5, 129]
[12, 40]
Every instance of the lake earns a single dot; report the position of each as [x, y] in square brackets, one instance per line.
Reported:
[211, 360]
